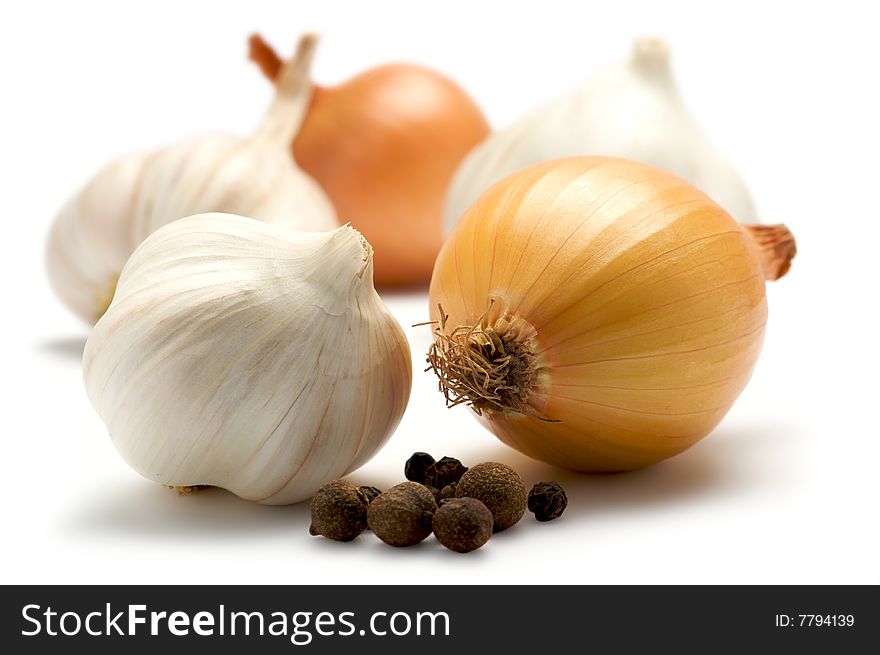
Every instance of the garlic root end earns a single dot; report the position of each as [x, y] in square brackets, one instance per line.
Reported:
[187, 489]
[104, 297]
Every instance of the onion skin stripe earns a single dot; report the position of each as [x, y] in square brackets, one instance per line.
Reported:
[605, 326]
[538, 221]
[629, 410]
[657, 331]
[683, 388]
[613, 242]
[660, 256]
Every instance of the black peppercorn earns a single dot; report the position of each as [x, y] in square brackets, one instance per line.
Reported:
[500, 489]
[339, 511]
[462, 524]
[434, 492]
[547, 501]
[416, 467]
[370, 492]
[402, 515]
[443, 472]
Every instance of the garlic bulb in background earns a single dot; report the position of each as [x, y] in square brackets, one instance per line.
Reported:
[247, 356]
[630, 110]
[99, 228]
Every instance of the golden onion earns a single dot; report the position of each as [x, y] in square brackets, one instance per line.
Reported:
[384, 146]
[600, 314]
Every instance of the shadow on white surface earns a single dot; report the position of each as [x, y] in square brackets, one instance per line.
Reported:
[429, 548]
[64, 347]
[146, 510]
[724, 465]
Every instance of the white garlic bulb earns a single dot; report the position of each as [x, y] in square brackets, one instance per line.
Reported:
[630, 110]
[99, 228]
[248, 356]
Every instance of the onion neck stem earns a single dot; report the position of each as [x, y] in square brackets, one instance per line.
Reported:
[776, 248]
[264, 56]
[293, 94]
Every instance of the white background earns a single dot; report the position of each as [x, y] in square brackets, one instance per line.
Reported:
[786, 488]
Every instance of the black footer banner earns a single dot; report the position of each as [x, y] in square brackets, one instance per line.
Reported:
[437, 619]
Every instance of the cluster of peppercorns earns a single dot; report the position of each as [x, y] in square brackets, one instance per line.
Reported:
[461, 506]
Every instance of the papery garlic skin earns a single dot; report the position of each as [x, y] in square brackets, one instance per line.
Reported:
[90, 240]
[631, 110]
[256, 180]
[99, 228]
[250, 357]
